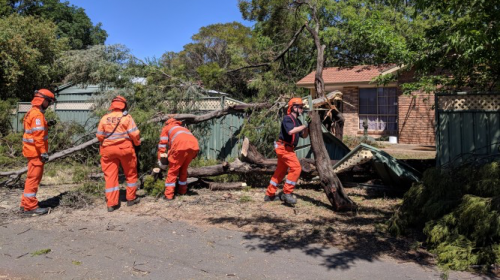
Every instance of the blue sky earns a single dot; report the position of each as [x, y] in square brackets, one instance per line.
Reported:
[152, 27]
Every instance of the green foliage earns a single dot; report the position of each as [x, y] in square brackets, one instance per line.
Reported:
[98, 65]
[463, 41]
[41, 252]
[153, 187]
[245, 199]
[28, 49]
[5, 116]
[459, 213]
[80, 174]
[11, 150]
[72, 22]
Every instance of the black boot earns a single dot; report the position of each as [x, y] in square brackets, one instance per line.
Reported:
[289, 198]
[132, 202]
[37, 211]
[113, 208]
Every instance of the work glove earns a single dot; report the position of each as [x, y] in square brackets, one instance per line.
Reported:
[51, 123]
[163, 167]
[44, 157]
[137, 148]
[308, 119]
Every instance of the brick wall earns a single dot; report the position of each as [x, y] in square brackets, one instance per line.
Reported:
[351, 110]
[416, 118]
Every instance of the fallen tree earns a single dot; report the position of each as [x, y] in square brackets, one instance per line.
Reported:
[15, 175]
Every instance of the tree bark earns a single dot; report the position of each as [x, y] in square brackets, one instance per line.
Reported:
[215, 186]
[329, 180]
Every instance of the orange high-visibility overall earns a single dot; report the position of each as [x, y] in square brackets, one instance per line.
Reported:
[287, 160]
[118, 148]
[34, 144]
[182, 149]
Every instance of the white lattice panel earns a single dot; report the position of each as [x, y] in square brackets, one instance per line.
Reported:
[487, 102]
[358, 158]
[74, 106]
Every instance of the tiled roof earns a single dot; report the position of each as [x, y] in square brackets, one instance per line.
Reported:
[338, 75]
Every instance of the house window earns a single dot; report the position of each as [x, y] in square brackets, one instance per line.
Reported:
[379, 108]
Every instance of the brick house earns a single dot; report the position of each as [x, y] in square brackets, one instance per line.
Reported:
[385, 109]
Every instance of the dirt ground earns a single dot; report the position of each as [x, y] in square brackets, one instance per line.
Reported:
[311, 222]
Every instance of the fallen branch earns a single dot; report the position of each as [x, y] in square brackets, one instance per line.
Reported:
[214, 186]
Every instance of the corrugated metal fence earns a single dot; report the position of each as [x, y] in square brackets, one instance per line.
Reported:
[218, 138]
[468, 127]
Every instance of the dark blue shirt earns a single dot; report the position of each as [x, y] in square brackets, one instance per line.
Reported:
[288, 123]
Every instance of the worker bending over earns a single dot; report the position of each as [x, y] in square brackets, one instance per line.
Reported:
[182, 148]
[118, 134]
[291, 129]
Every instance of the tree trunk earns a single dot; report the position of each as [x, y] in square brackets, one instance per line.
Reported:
[329, 180]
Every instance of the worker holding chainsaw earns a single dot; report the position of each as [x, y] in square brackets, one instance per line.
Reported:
[118, 135]
[291, 129]
[182, 147]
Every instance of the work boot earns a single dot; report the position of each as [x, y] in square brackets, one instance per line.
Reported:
[112, 208]
[289, 198]
[132, 202]
[37, 211]
[268, 198]
[167, 199]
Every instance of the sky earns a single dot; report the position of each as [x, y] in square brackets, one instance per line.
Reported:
[152, 27]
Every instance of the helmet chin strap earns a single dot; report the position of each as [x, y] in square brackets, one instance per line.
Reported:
[296, 110]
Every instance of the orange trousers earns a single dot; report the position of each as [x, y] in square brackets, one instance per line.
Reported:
[111, 158]
[178, 163]
[287, 160]
[33, 178]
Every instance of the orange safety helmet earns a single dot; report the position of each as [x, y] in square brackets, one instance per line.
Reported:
[119, 103]
[294, 101]
[42, 95]
[172, 121]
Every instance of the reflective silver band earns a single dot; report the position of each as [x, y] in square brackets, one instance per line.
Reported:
[162, 145]
[29, 131]
[163, 138]
[169, 184]
[273, 183]
[132, 129]
[182, 183]
[117, 137]
[132, 185]
[180, 132]
[290, 182]
[112, 189]
[170, 131]
[28, 140]
[29, 194]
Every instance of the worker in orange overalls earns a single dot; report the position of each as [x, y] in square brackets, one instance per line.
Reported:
[35, 149]
[182, 148]
[291, 130]
[118, 135]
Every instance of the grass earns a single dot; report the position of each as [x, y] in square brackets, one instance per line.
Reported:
[76, 262]
[41, 252]
[245, 199]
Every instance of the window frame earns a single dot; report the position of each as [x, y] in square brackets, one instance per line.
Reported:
[379, 93]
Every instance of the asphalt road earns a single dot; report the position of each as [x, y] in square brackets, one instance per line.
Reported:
[124, 245]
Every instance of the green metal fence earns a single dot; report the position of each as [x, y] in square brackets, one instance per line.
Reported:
[218, 138]
[468, 127]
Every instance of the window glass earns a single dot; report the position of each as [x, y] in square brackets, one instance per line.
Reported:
[378, 107]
